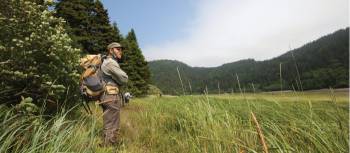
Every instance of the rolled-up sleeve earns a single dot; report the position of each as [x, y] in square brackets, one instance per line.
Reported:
[117, 73]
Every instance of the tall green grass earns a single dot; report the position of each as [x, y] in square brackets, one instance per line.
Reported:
[224, 124]
[22, 133]
[207, 123]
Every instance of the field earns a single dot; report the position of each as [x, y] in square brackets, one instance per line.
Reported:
[315, 121]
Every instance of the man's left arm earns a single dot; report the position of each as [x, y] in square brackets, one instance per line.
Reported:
[117, 73]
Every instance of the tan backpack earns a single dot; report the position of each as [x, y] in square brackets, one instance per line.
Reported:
[92, 84]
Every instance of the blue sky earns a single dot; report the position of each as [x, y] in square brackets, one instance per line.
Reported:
[210, 33]
[155, 21]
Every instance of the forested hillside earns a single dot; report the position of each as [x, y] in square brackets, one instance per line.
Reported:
[322, 63]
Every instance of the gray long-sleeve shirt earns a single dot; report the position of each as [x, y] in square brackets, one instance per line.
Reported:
[114, 74]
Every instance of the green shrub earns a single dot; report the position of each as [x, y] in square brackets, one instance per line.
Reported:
[36, 57]
[153, 90]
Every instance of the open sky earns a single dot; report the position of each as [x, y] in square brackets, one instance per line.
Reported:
[213, 32]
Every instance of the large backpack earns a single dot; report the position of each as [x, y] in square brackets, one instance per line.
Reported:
[92, 84]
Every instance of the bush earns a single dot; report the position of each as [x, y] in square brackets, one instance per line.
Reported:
[36, 57]
[154, 90]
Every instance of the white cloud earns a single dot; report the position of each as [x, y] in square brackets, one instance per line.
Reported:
[229, 30]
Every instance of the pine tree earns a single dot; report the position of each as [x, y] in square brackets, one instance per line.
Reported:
[117, 37]
[77, 15]
[135, 65]
[88, 23]
[103, 33]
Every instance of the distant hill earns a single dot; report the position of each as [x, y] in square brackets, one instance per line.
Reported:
[322, 63]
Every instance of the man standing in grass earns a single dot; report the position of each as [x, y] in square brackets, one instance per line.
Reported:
[110, 101]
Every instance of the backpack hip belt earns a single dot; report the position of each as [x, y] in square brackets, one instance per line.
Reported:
[111, 89]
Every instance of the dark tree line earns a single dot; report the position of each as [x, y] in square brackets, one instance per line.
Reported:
[322, 63]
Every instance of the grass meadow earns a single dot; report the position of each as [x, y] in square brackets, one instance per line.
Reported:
[286, 121]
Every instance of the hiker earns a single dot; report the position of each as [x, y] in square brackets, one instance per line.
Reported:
[111, 100]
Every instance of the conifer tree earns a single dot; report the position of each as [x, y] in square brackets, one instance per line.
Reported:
[89, 25]
[117, 36]
[135, 65]
[103, 33]
[77, 15]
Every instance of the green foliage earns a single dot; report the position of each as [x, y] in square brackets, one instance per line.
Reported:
[322, 63]
[27, 107]
[37, 59]
[164, 76]
[135, 66]
[88, 24]
[154, 90]
[116, 33]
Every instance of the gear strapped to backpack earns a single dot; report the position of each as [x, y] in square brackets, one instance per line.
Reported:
[92, 84]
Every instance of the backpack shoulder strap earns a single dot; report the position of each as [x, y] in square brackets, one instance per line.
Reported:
[103, 57]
